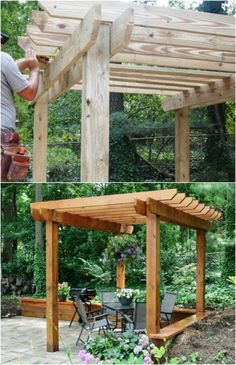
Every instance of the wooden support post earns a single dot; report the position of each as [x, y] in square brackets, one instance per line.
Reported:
[201, 250]
[52, 285]
[153, 273]
[95, 110]
[120, 275]
[40, 139]
[181, 145]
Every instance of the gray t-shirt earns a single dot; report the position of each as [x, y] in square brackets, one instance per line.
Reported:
[11, 81]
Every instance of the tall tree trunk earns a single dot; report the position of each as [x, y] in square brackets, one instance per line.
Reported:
[116, 102]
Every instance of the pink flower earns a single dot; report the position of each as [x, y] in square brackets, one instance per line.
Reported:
[82, 354]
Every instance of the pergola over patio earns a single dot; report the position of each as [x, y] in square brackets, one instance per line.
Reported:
[112, 46]
[118, 213]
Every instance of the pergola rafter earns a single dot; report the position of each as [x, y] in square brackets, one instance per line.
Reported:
[110, 46]
[117, 214]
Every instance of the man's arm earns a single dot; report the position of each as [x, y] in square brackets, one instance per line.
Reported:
[22, 64]
[30, 92]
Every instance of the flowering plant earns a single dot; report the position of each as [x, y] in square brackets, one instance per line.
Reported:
[122, 248]
[63, 289]
[127, 293]
[127, 348]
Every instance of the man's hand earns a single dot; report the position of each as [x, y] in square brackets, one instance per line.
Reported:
[31, 59]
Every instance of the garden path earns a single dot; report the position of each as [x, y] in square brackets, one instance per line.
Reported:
[23, 341]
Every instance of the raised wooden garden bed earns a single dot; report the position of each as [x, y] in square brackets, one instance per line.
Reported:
[31, 307]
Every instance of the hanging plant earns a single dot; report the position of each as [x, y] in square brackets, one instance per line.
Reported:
[125, 248]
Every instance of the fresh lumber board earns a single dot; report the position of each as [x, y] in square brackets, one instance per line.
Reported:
[175, 216]
[177, 327]
[150, 16]
[216, 93]
[172, 62]
[106, 199]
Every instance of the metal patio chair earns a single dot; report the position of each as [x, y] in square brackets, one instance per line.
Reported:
[167, 308]
[85, 295]
[137, 322]
[99, 322]
[110, 297]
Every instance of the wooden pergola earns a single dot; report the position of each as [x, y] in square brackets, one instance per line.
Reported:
[111, 46]
[118, 214]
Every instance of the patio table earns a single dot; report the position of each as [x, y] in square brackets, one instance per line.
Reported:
[119, 308]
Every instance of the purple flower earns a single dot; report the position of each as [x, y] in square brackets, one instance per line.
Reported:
[82, 354]
[147, 360]
[88, 358]
[137, 349]
[144, 340]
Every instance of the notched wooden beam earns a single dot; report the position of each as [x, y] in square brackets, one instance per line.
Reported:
[39, 17]
[80, 41]
[76, 220]
[140, 207]
[121, 31]
[175, 216]
[220, 92]
[50, 24]
[26, 42]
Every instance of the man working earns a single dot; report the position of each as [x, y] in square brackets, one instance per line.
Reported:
[12, 81]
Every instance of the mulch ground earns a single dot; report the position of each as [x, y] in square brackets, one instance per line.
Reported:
[212, 338]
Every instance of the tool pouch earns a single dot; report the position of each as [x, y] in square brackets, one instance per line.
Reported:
[14, 165]
[5, 164]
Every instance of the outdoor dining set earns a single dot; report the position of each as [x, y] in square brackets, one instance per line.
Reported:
[114, 315]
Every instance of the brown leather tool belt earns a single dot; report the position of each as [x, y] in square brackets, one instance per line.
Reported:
[14, 165]
[9, 137]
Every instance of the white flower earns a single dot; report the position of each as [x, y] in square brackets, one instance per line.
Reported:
[127, 293]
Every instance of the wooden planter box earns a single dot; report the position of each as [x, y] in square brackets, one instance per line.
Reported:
[31, 307]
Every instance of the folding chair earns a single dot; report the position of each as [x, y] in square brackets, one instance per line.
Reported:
[83, 294]
[110, 297]
[136, 323]
[167, 308]
[99, 322]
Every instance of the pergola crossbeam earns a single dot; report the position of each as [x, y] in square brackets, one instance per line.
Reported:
[83, 37]
[219, 92]
[148, 16]
[171, 215]
[141, 34]
[54, 25]
[169, 61]
[121, 31]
